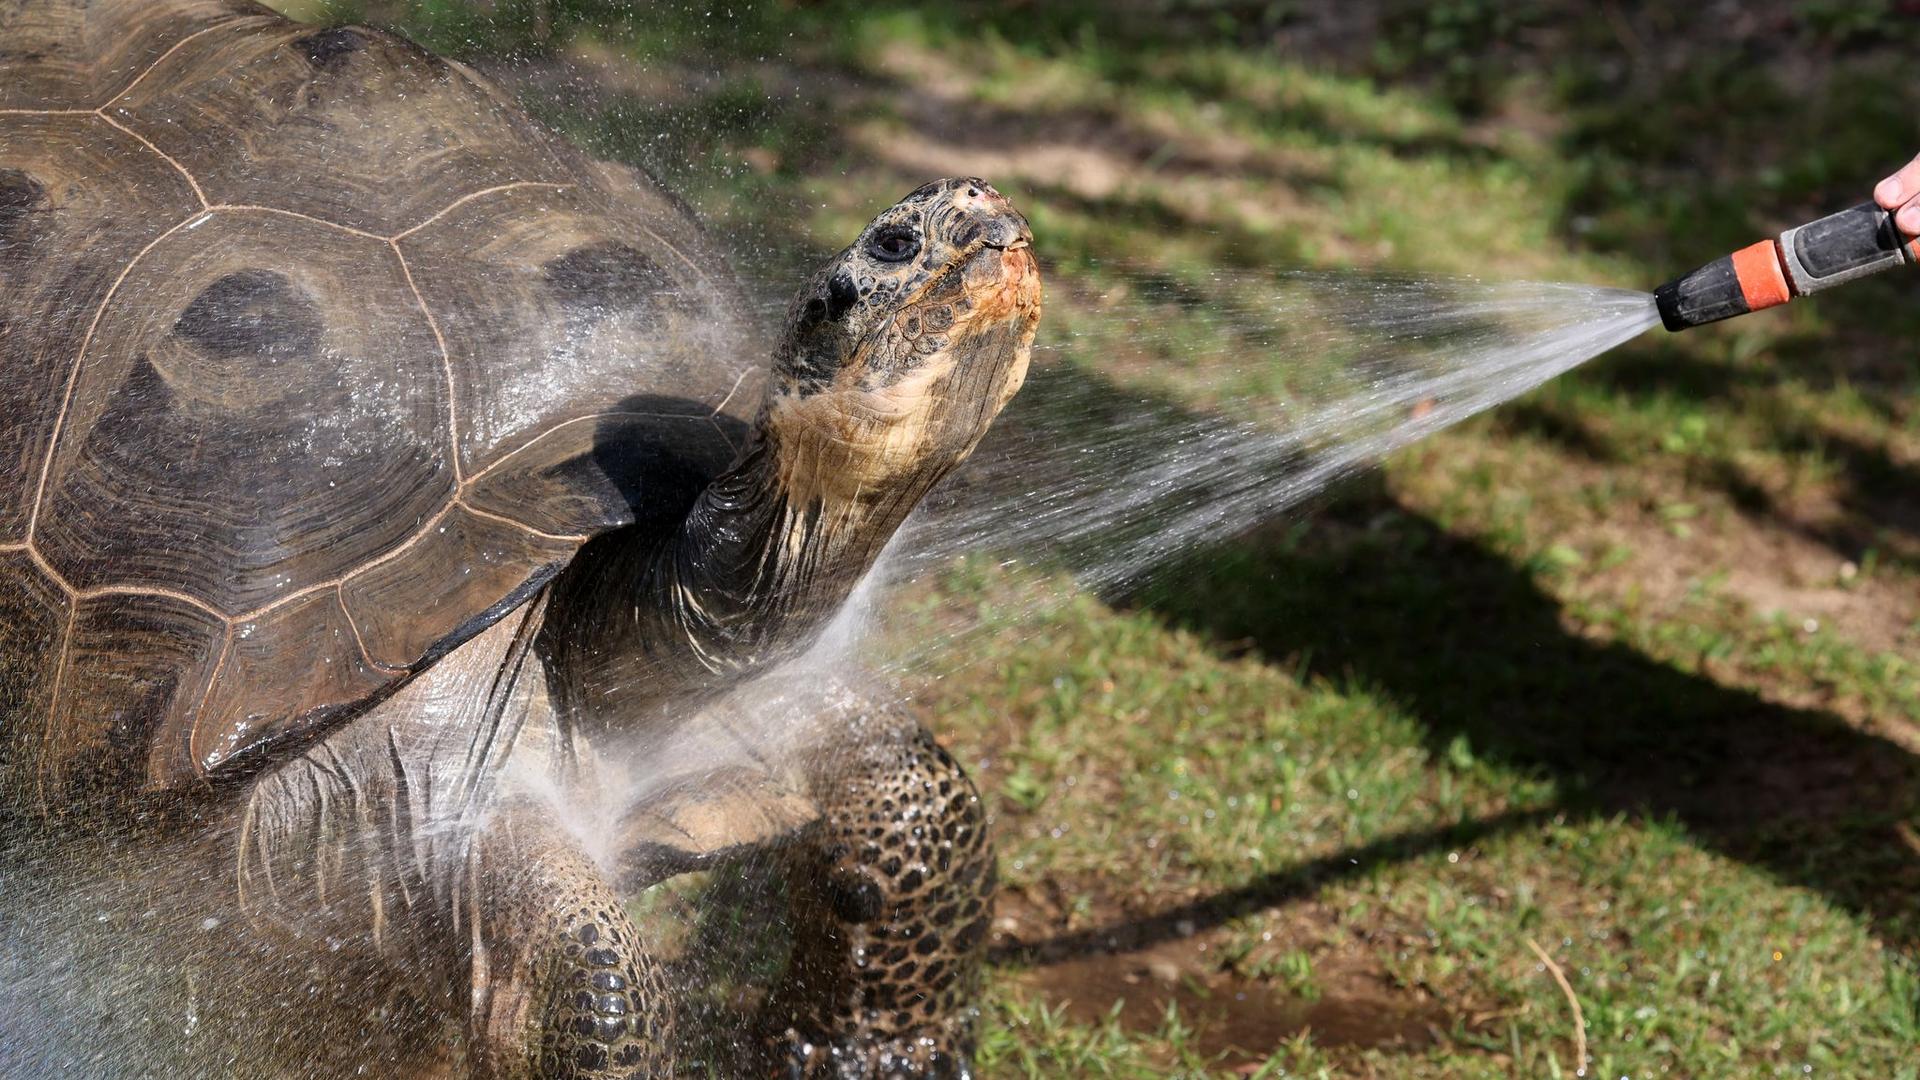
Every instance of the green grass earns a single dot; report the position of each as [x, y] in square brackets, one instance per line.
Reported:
[1625, 669]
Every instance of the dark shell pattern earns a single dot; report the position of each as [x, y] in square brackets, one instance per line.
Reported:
[316, 356]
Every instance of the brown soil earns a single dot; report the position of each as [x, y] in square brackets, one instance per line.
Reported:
[1235, 1019]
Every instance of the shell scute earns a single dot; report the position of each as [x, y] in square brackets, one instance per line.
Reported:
[34, 611]
[350, 126]
[78, 56]
[263, 408]
[130, 660]
[261, 701]
[79, 201]
[404, 614]
[544, 294]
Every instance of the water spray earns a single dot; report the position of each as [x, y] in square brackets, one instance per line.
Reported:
[1803, 260]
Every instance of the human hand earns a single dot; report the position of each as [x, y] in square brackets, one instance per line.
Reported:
[1901, 192]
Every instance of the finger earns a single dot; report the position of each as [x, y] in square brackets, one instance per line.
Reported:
[1908, 217]
[1900, 187]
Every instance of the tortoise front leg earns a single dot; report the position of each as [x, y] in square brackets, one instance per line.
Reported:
[892, 891]
[562, 989]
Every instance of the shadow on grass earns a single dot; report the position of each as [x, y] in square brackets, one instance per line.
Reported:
[1295, 883]
[1470, 645]
[1872, 493]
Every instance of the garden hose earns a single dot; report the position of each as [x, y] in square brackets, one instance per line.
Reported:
[1803, 260]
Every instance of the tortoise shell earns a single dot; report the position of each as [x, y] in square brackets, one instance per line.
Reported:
[316, 358]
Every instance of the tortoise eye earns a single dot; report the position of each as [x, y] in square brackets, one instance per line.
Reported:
[895, 243]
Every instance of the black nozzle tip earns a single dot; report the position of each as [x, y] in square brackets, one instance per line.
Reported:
[1706, 295]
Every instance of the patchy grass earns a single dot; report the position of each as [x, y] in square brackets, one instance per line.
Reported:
[1625, 669]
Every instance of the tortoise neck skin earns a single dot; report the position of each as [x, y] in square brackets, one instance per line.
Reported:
[897, 356]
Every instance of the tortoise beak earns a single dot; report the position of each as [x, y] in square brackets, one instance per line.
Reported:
[1008, 228]
[990, 215]
[1023, 236]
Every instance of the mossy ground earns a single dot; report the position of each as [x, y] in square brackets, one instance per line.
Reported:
[1625, 669]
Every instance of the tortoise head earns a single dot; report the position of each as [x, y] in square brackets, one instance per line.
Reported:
[901, 350]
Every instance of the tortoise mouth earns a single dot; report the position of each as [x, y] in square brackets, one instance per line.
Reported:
[992, 264]
[1003, 280]
[1008, 234]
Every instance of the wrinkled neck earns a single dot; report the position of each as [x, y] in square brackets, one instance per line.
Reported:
[749, 578]
[754, 571]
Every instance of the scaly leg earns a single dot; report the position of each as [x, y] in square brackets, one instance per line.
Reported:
[891, 893]
[562, 989]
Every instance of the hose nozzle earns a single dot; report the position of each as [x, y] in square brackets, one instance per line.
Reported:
[1803, 260]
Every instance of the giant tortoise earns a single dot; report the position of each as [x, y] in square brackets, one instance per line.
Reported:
[383, 486]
